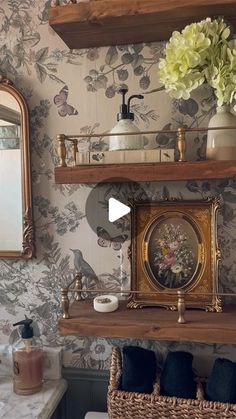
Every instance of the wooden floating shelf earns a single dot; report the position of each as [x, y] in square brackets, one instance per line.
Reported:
[114, 22]
[150, 323]
[146, 172]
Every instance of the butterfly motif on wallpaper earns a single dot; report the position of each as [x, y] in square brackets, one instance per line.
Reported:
[60, 101]
[105, 240]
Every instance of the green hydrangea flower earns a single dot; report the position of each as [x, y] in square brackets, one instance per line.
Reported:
[202, 52]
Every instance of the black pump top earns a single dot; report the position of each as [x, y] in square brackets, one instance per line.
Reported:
[125, 109]
[27, 330]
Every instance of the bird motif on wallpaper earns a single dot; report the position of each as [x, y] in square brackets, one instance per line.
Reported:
[89, 278]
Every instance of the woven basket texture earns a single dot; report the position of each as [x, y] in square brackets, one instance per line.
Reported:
[128, 405]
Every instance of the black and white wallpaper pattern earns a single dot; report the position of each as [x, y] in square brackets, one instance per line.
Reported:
[77, 91]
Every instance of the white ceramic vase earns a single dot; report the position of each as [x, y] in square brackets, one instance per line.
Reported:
[221, 144]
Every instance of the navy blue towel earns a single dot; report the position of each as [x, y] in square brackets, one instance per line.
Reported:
[139, 370]
[221, 385]
[177, 378]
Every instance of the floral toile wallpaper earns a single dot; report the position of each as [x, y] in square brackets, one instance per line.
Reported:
[77, 92]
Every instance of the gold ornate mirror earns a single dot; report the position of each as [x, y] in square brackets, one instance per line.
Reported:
[16, 225]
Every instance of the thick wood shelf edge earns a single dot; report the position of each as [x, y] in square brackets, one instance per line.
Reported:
[150, 324]
[146, 172]
[114, 22]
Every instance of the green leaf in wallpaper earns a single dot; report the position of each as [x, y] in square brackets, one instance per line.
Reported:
[143, 113]
[137, 48]
[31, 40]
[43, 15]
[65, 220]
[42, 54]
[111, 56]
[138, 59]
[41, 72]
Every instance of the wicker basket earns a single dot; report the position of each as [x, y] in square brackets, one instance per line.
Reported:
[127, 405]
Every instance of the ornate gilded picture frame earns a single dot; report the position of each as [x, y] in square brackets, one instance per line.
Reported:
[17, 239]
[174, 247]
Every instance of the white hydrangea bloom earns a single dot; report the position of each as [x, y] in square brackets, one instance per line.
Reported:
[201, 53]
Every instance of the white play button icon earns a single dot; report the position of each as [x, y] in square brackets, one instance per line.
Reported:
[116, 210]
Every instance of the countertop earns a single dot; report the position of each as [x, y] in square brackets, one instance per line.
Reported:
[36, 406]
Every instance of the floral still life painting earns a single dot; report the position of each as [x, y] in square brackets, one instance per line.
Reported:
[174, 247]
[173, 252]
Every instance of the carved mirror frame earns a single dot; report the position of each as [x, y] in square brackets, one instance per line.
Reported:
[28, 242]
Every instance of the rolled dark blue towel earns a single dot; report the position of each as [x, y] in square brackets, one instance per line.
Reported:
[221, 385]
[139, 370]
[177, 378]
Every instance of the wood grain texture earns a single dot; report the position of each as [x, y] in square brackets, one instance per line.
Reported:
[148, 172]
[115, 22]
[150, 323]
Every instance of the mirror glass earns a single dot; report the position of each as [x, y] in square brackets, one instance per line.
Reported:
[16, 228]
[10, 174]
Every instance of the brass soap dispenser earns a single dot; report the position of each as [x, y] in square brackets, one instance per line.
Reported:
[27, 355]
[125, 124]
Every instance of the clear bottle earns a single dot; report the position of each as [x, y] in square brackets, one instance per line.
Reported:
[124, 125]
[27, 355]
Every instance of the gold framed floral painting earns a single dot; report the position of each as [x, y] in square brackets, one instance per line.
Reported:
[174, 247]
